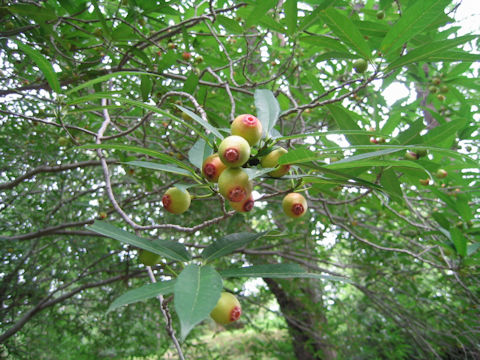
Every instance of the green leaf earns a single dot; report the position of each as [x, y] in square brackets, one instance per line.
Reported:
[268, 109]
[291, 15]
[145, 87]
[229, 24]
[425, 52]
[139, 150]
[45, 67]
[191, 83]
[459, 240]
[345, 121]
[160, 167]
[199, 152]
[196, 293]
[344, 28]
[455, 55]
[254, 173]
[260, 9]
[364, 156]
[229, 244]
[143, 293]
[107, 77]
[203, 123]
[389, 181]
[414, 20]
[140, 104]
[324, 42]
[279, 271]
[169, 249]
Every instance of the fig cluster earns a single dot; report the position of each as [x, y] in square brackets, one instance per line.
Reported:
[226, 167]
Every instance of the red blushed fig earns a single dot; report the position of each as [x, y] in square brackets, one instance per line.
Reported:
[148, 258]
[271, 161]
[248, 127]
[186, 56]
[410, 155]
[234, 184]
[227, 310]
[212, 167]
[234, 151]
[176, 201]
[294, 205]
[243, 206]
[441, 173]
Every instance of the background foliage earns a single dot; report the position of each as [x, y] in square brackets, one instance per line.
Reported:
[115, 74]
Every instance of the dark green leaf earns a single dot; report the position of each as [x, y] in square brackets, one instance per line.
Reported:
[413, 21]
[143, 293]
[344, 28]
[170, 249]
[291, 11]
[279, 271]
[229, 244]
[196, 292]
[160, 167]
[45, 67]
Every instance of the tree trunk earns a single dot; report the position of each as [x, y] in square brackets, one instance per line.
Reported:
[302, 306]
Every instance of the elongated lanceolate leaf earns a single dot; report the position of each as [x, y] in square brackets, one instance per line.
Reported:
[413, 21]
[197, 290]
[199, 152]
[139, 150]
[281, 271]
[160, 167]
[169, 249]
[229, 244]
[143, 293]
[346, 31]
[202, 122]
[45, 67]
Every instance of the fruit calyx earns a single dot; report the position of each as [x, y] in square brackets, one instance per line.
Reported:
[231, 154]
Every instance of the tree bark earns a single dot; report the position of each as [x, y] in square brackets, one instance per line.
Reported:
[302, 306]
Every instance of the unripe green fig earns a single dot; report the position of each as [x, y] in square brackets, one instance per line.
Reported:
[63, 141]
[212, 167]
[294, 205]
[227, 310]
[441, 173]
[380, 15]
[271, 161]
[444, 89]
[176, 201]
[433, 89]
[234, 151]
[360, 65]
[436, 80]
[441, 97]
[410, 155]
[234, 184]
[148, 258]
[421, 152]
[243, 206]
[248, 127]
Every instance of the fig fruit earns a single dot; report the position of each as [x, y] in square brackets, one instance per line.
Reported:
[234, 184]
[248, 127]
[234, 151]
[271, 161]
[176, 201]
[212, 167]
[227, 310]
[294, 205]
